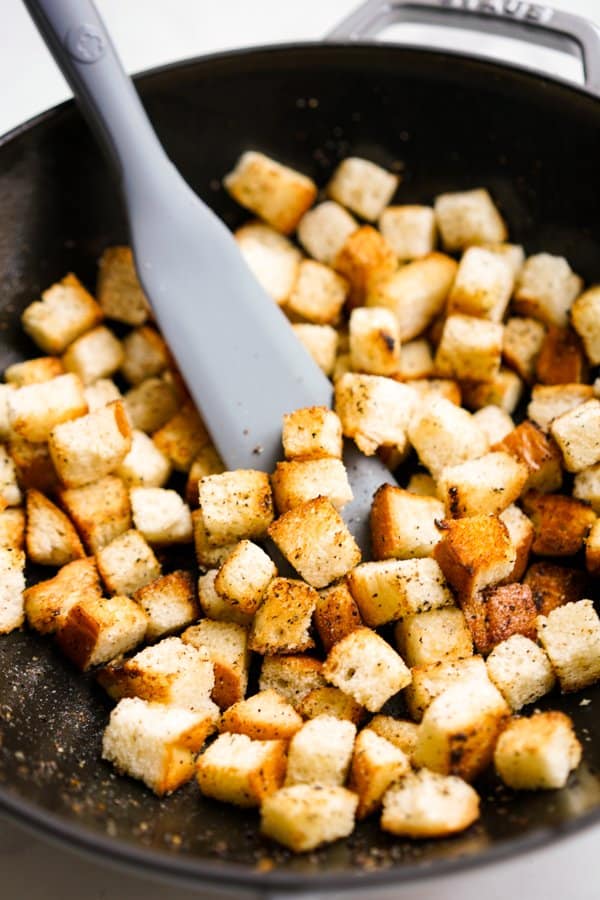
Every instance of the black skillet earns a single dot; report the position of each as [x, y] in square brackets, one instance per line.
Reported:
[448, 122]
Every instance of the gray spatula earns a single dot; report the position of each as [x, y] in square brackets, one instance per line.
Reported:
[241, 360]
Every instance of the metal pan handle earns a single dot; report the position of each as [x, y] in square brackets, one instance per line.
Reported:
[540, 25]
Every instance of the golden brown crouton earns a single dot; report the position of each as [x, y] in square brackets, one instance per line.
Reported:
[470, 349]
[403, 523]
[561, 523]
[409, 230]
[400, 732]
[33, 371]
[362, 186]
[235, 505]
[483, 285]
[318, 294]
[553, 586]
[475, 552]
[91, 446]
[12, 528]
[238, 770]
[374, 410]
[429, 805]
[35, 409]
[272, 258]
[537, 753]
[227, 646]
[521, 344]
[549, 401]
[336, 614]
[484, 486]
[97, 629]
[585, 315]
[508, 609]
[96, 354]
[300, 480]
[48, 602]
[529, 445]
[145, 354]
[330, 701]
[282, 621]
[433, 636]
[33, 465]
[443, 434]
[521, 533]
[119, 292]
[50, 536]
[144, 465]
[207, 462]
[504, 390]
[291, 676]
[428, 682]
[570, 636]
[127, 563]
[468, 217]
[65, 311]
[169, 603]
[520, 670]
[592, 549]
[374, 341]
[416, 361]
[161, 515]
[388, 590]
[100, 511]
[546, 288]
[266, 716]
[12, 587]
[312, 433]
[207, 554]
[586, 486]
[494, 422]
[182, 437]
[101, 393]
[321, 342]
[376, 764]
[151, 404]
[245, 576]
[577, 433]
[323, 230]
[364, 259]
[561, 359]
[304, 816]
[213, 605]
[320, 752]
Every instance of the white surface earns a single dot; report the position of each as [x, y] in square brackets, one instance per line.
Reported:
[147, 33]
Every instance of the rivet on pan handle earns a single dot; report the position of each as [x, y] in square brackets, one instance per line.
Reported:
[540, 25]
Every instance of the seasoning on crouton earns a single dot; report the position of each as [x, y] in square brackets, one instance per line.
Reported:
[304, 816]
[521, 344]
[236, 505]
[529, 445]
[537, 753]
[291, 676]
[119, 292]
[483, 285]
[312, 433]
[300, 480]
[508, 609]
[586, 486]
[207, 462]
[100, 511]
[475, 552]
[127, 563]
[169, 602]
[468, 217]
[429, 805]
[577, 433]
[470, 348]
[409, 230]
[35, 409]
[160, 515]
[585, 318]
[428, 682]
[12, 587]
[65, 311]
[96, 354]
[546, 288]
[48, 602]
[550, 401]
[375, 411]
[364, 259]
[282, 621]
[520, 670]
[214, 606]
[265, 716]
[553, 586]
[388, 590]
[484, 486]
[227, 646]
[401, 733]
[33, 371]
[336, 614]
[318, 294]
[236, 769]
[561, 523]
[96, 629]
[561, 359]
[433, 636]
[504, 390]
[244, 576]
[321, 343]
[50, 536]
[151, 404]
[330, 701]
[145, 465]
[443, 434]
[208, 554]
[374, 341]
[403, 524]
[320, 752]
[323, 231]
[10, 494]
[570, 636]
[91, 446]
[144, 354]
[12, 528]
[362, 186]
[156, 743]
[273, 259]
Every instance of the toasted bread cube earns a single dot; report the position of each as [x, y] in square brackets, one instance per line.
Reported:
[293, 676]
[416, 361]
[238, 770]
[475, 552]
[537, 753]
[273, 259]
[592, 549]
[96, 354]
[320, 752]
[364, 259]
[33, 371]
[374, 341]
[12, 588]
[127, 563]
[48, 602]
[101, 393]
[561, 523]
[207, 462]
[409, 230]
[244, 576]
[318, 294]
[227, 646]
[553, 586]
[304, 816]
[470, 348]
[521, 533]
[494, 422]
[375, 411]
[513, 254]
[169, 602]
[483, 285]
[314, 538]
[585, 316]
[364, 666]
[282, 622]
[426, 804]
[119, 292]
[321, 342]
[12, 528]
[6, 431]
[312, 433]
[577, 433]
[151, 404]
[235, 505]
[509, 609]
[208, 555]
[428, 682]
[529, 445]
[482, 486]
[276, 193]
[323, 230]
[433, 636]
[460, 728]
[561, 359]
[399, 732]
[550, 401]
[157, 743]
[182, 437]
[520, 670]
[91, 446]
[388, 590]
[65, 311]
[362, 186]
[443, 435]
[145, 465]
[415, 293]
[521, 344]
[214, 606]
[50, 536]
[570, 635]
[546, 288]
[266, 716]
[330, 701]
[161, 516]
[96, 629]
[422, 484]
[33, 465]
[468, 217]
[336, 614]
[301, 480]
[504, 390]
[10, 494]
[35, 409]
[586, 486]
[100, 511]
[144, 354]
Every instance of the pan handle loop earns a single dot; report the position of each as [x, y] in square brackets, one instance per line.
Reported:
[540, 25]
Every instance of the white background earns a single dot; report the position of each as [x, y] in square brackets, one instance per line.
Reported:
[147, 33]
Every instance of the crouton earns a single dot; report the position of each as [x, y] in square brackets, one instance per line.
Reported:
[214, 607]
[433, 636]
[33, 371]
[235, 769]
[65, 311]
[521, 533]
[570, 635]
[592, 549]
[101, 393]
[127, 563]
[529, 445]
[276, 193]
[508, 609]
[470, 348]
[585, 315]
[483, 285]
[577, 433]
[96, 354]
[227, 646]
[375, 411]
[429, 805]
[474, 553]
[561, 523]
[265, 716]
[388, 590]
[428, 682]
[207, 554]
[409, 230]
[318, 294]
[312, 433]
[100, 511]
[484, 486]
[330, 701]
[91, 446]
[207, 462]
[282, 622]
[422, 484]
[160, 515]
[537, 753]
[586, 486]
[12, 587]
[12, 528]
[374, 342]
[300, 480]
[468, 217]
[520, 670]
[513, 254]
[550, 401]
[521, 344]
[321, 343]
[561, 359]
[494, 422]
[362, 186]
[364, 666]
[50, 536]
[504, 390]
[291, 676]
[336, 614]
[443, 435]
[156, 743]
[236, 505]
[320, 752]
[182, 437]
[460, 728]
[273, 259]
[10, 494]
[48, 602]
[304, 816]
[553, 586]
[6, 431]
[546, 288]
[97, 629]
[144, 354]
[145, 465]
[364, 259]
[35, 409]
[315, 540]
[151, 404]
[399, 732]
[416, 293]
[119, 292]
[244, 576]
[323, 231]
[416, 361]
[33, 465]
[169, 602]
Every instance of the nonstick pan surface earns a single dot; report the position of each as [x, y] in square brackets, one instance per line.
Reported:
[446, 123]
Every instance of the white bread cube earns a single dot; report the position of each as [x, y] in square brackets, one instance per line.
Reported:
[33, 371]
[470, 348]
[282, 622]
[144, 354]
[12, 587]
[364, 260]
[160, 515]
[403, 524]
[169, 603]
[293, 676]
[520, 670]
[521, 533]
[214, 607]
[482, 486]
[300, 480]
[548, 401]
[374, 341]
[100, 511]
[127, 563]
[429, 805]
[97, 629]
[320, 752]
[376, 764]
[537, 753]
[321, 342]
[428, 682]
[65, 311]
[401, 733]
[10, 493]
[364, 666]
[227, 646]
[235, 769]
[145, 465]
[207, 462]
[504, 390]
[483, 285]
[521, 345]
[577, 433]
[324, 230]
[585, 318]
[276, 193]
[468, 217]
[119, 292]
[266, 716]
[546, 288]
[422, 484]
[312, 433]
[156, 743]
[374, 410]
[444, 434]
[416, 293]
[570, 635]
[51, 539]
[150, 404]
[209, 555]
[336, 614]
[475, 552]
[182, 437]
[96, 354]
[101, 393]
[35, 409]
[494, 422]
[236, 505]
[388, 590]
[586, 486]
[314, 538]
[318, 294]
[12, 528]
[244, 576]
[304, 816]
[362, 186]
[48, 602]
[433, 636]
[513, 254]
[409, 230]
[273, 259]
[330, 701]
[416, 361]
[91, 446]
